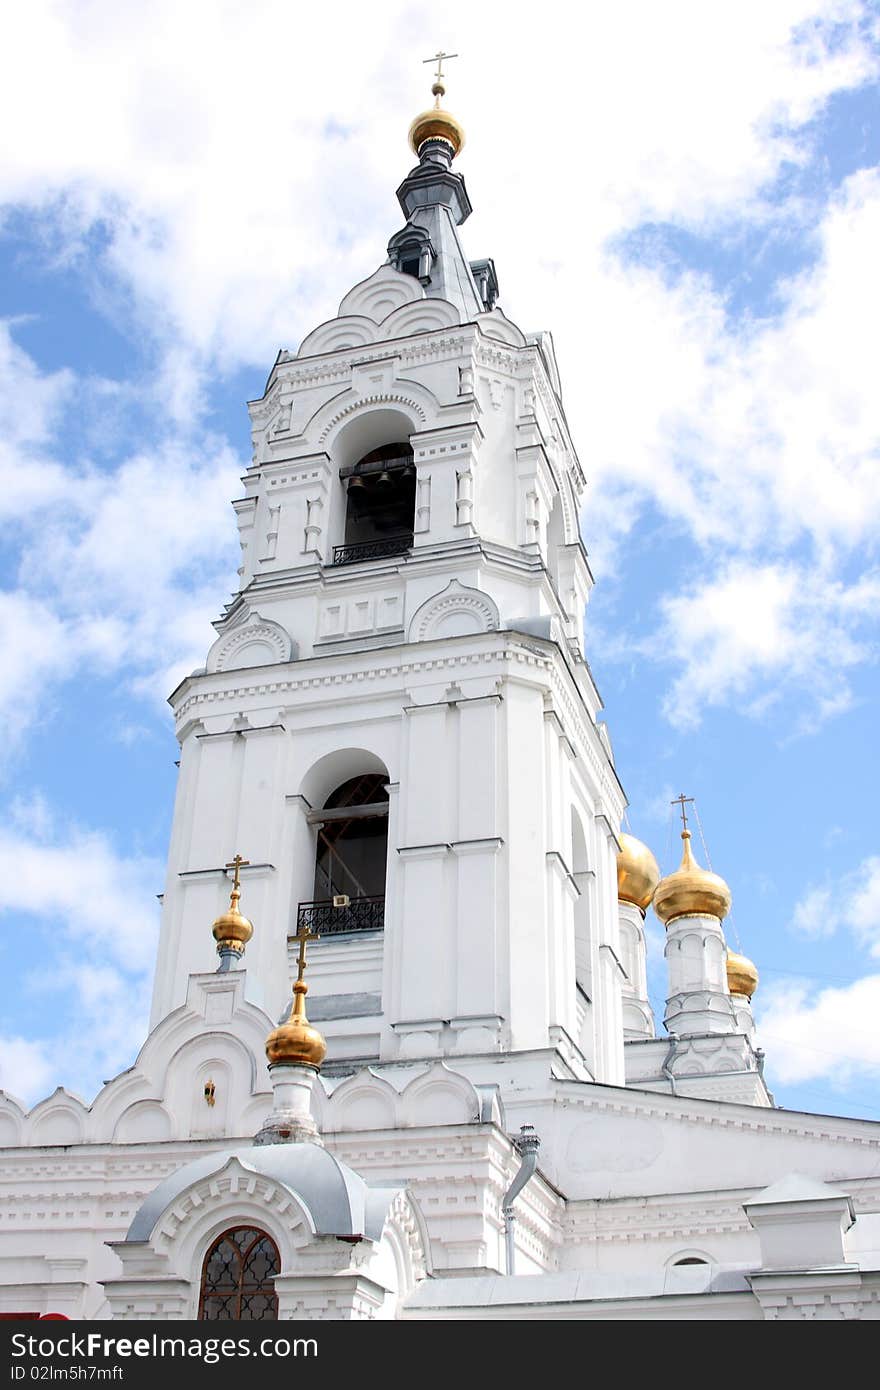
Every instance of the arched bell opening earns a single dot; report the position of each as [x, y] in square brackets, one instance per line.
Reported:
[351, 856]
[380, 504]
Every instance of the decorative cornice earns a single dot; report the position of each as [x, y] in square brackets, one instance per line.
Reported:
[377, 398]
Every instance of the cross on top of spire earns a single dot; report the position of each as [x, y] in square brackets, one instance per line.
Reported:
[439, 58]
[681, 801]
[236, 864]
[302, 935]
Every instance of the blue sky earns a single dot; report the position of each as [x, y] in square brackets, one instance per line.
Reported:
[688, 197]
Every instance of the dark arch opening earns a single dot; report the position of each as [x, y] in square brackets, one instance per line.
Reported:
[352, 848]
[380, 504]
[690, 1260]
[238, 1278]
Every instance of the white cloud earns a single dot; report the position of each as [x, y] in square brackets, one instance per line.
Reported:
[140, 574]
[31, 405]
[852, 902]
[763, 444]
[28, 1069]
[120, 569]
[36, 646]
[764, 628]
[116, 1005]
[815, 915]
[34, 815]
[83, 891]
[99, 909]
[829, 1034]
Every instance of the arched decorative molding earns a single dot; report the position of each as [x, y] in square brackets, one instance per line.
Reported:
[380, 294]
[424, 317]
[363, 1101]
[233, 1197]
[147, 1121]
[210, 1054]
[407, 1235]
[352, 331]
[359, 403]
[256, 642]
[330, 771]
[454, 612]
[60, 1119]
[162, 1074]
[12, 1117]
[439, 1096]
[495, 324]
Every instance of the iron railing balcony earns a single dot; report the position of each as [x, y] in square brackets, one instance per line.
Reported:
[361, 914]
[372, 550]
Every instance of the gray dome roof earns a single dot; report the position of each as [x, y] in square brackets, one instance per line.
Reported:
[337, 1201]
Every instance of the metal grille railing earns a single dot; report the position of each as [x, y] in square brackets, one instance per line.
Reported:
[371, 550]
[362, 914]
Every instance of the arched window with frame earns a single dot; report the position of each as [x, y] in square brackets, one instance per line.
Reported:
[238, 1277]
[351, 858]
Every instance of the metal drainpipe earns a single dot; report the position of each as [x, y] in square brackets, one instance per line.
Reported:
[673, 1044]
[527, 1145]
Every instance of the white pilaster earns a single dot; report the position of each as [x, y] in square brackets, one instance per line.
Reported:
[696, 958]
[638, 1016]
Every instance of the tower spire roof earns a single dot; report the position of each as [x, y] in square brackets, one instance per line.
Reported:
[435, 203]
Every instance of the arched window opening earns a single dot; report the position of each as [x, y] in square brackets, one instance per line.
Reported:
[380, 505]
[238, 1278]
[350, 858]
[689, 1260]
[412, 252]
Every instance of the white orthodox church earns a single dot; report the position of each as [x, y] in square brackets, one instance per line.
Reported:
[394, 759]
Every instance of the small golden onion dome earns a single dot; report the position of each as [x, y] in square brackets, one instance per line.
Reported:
[742, 977]
[232, 931]
[436, 124]
[691, 890]
[638, 872]
[296, 1040]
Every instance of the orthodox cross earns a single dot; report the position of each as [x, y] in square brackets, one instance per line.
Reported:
[302, 935]
[681, 801]
[439, 59]
[236, 865]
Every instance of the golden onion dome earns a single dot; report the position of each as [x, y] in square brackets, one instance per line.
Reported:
[691, 890]
[638, 872]
[296, 1040]
[232, 931]
[436, 124]
[742, 977]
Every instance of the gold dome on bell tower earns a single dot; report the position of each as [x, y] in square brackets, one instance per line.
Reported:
[742, 975]
[691, 890]
[638, 872]
[296, 1040]
[435, 123]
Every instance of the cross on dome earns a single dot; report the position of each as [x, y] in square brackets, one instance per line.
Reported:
[439, 58]
[681, 800]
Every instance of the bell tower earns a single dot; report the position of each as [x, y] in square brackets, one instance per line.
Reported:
[396, 726]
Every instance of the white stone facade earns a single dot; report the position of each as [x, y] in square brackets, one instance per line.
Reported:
[504, 986]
